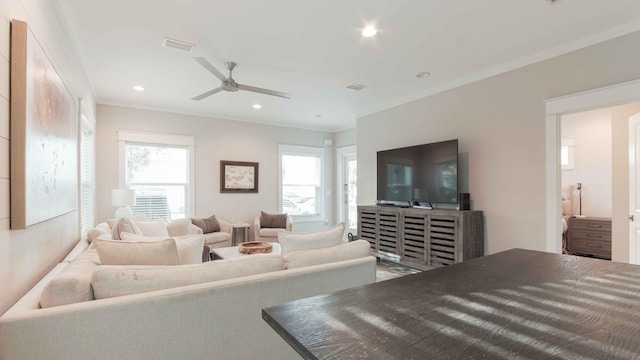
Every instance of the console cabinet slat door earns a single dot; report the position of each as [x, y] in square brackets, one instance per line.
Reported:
[420, 237]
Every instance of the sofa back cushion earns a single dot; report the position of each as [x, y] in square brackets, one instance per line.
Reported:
[112, 281]
[71, 285]
[189, 246]
[290, 241]
[119, 252]
[347, 251]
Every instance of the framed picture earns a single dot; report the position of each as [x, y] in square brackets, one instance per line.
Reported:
[238, 177]
[44, 135]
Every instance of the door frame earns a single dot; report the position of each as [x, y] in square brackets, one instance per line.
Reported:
[340, 155]
[614, 95]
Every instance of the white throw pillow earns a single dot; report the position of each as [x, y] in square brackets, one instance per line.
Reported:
[152, 228]
[189, 246]
[179, 227]
[114, 252]
[290, 241]
[347, 251]
[111, 281]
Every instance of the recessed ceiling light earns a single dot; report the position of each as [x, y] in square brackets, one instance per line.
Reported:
[423, 75]
[138, 88]
[369, 31]
[257, 106]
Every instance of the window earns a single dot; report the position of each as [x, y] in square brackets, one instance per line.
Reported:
[567, 153]
[160, 169]
[301, 181]
[87, 175]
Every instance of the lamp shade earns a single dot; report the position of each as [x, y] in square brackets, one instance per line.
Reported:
[123, 197]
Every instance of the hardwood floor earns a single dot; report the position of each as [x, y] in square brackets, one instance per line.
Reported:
[386, 270]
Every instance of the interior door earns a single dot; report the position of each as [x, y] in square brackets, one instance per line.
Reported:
[634, 189]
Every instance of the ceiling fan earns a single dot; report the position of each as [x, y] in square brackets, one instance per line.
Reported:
[229, 84]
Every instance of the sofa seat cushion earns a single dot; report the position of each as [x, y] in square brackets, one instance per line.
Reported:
[112, 281]
[120, 252]
[347, 251]
[217, 238]
[269, 232]
[290, 241]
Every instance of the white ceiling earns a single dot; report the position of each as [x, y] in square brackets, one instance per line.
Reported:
[313, 49]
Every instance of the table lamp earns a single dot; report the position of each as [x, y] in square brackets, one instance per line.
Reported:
[123, 198]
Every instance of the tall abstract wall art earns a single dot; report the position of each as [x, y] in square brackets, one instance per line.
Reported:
[44, 132]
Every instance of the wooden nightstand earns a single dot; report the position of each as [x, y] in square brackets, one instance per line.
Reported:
[590, 236]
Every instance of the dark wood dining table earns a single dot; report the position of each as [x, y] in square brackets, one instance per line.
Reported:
[516, 304]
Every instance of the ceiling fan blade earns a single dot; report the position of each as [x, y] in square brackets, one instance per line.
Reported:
[207, 94]
[264, 91]
[207, 65]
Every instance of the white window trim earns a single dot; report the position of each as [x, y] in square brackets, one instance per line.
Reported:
[161, 139]
[304, 150]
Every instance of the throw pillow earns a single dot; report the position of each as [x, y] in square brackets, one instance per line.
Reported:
[189, 246]
[111, 252]
[152, 228]
[290, 241]
[124, 225]
[273, 220]
[179, 227]
[208, 225]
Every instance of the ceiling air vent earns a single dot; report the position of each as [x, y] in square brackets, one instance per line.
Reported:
[356, 87]
[177, 44]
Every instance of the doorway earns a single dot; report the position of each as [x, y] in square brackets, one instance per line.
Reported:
[625, 93]
[586, 182]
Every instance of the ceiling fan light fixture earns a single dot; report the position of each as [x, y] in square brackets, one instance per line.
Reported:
[177, 44]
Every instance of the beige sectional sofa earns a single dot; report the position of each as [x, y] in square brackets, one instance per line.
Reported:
[207, 310]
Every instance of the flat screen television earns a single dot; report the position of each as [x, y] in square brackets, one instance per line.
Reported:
[424, 174]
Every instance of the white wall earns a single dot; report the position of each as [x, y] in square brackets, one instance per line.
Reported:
[215, 140]
[500, 122]
[25, 255]
[591, 132]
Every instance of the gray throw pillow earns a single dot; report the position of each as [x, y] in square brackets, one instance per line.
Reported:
[273, 220]
[208, 225]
